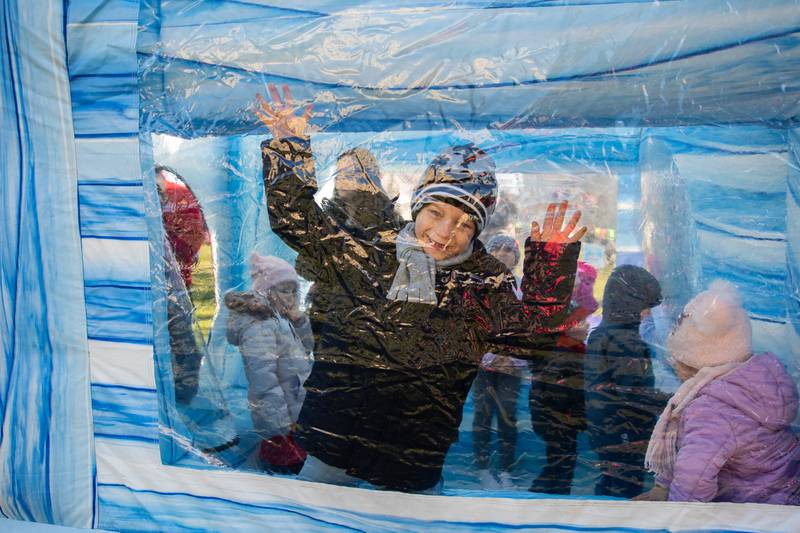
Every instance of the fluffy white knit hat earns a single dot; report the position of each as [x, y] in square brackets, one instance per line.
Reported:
[268, 271]
[714, 329]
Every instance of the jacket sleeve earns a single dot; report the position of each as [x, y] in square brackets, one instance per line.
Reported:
[706, 442]
[303, 330]
[634, 368]
[290, 184]
[268, 404]
[595, 367]
[529, 328]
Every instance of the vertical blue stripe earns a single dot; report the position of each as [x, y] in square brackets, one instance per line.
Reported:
[793, 238]
[46, 449]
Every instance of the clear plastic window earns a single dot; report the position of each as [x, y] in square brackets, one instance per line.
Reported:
[394, 290]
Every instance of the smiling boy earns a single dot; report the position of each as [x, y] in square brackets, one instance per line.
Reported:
[417, 306]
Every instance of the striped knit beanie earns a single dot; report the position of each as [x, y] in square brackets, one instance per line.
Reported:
[462, 176]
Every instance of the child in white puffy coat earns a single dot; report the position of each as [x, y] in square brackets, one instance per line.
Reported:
[275, 340]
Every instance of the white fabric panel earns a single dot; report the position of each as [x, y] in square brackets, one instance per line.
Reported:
[119, 363]
[118, 260]
[94, 163]
[138, 466]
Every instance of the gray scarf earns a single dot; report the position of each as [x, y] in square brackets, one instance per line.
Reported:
[415, 279]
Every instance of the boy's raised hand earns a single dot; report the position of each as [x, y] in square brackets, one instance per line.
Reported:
[281, 115]
[554, 230]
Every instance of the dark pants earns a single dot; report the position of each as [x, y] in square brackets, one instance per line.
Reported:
[619, 436]
[186, 354]
[495, 393]
[561, 447]
[558, 415]
[622, 469]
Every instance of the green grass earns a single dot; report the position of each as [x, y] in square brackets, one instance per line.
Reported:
[202, 291]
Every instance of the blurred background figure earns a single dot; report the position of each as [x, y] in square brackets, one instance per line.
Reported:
[358, 192]
[556, 396]
[495, 393]
[275, 340]
[622, 403]
[186, 231]
[360, 204]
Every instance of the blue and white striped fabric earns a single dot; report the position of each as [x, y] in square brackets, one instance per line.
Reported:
[632, 83]
[47, 459]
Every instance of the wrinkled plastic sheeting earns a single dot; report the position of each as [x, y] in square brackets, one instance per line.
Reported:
[369, 66]
[632, 111]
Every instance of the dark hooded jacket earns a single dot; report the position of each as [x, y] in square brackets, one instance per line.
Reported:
[620, 395]
[385, 397]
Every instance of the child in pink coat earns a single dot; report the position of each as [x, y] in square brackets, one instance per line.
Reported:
[725, 434]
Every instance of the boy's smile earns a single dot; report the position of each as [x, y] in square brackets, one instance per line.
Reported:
[443, 230]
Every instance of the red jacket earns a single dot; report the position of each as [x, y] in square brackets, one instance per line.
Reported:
[184, 225]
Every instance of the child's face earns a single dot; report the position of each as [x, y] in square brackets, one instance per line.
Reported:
[349, 175]
[683, 372]
[283, 296]
[443, 230]
[507, 257]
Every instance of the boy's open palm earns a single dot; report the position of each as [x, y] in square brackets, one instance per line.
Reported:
[554, 229]
[281, 116]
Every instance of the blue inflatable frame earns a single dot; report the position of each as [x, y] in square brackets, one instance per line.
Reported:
[695, 105]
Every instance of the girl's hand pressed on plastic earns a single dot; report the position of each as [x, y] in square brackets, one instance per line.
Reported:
[554, 229]
[656, 494]
[281, 116]
[294, 313]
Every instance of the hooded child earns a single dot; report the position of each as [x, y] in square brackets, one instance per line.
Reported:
[622, 404]
[275, 340]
